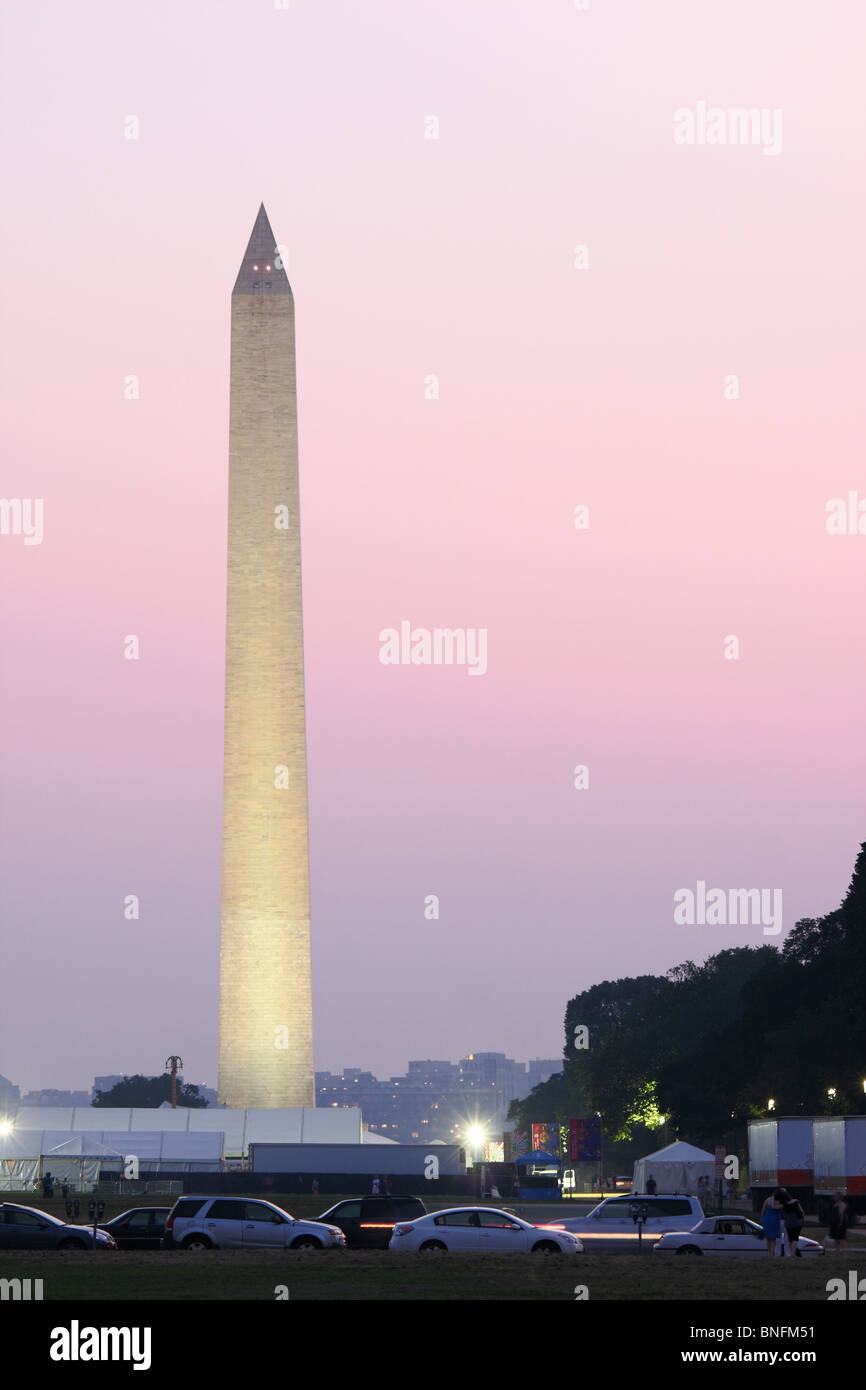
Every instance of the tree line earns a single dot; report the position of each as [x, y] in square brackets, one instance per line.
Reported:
[709, 1046]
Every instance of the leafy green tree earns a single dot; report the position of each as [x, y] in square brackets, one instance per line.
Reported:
[613, 1062]
[149, 1093]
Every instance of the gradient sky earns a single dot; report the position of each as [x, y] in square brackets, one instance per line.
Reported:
[558, 387]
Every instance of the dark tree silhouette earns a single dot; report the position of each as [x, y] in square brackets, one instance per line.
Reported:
[149, 1092]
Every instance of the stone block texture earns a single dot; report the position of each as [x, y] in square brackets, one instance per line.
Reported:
[265, 972]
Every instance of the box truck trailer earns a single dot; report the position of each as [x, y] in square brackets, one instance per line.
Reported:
[814, 1158]
[840, 1162]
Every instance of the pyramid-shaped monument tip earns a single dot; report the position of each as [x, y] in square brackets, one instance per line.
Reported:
[262, 270]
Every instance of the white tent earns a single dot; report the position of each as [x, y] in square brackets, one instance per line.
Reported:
[675, 1168]
[89, 1145]
[341, 1125]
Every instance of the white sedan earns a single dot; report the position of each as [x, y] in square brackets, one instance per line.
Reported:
[725, 1235]
[481, 1229]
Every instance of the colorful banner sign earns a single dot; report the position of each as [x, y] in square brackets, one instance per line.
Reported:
[514, 1145]
[584, 1139]
[546, 1138]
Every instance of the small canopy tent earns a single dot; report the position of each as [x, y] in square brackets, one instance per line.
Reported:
[675, 1168]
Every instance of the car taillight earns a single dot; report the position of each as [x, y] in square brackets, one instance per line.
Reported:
[402, 1230]
[169, 1222]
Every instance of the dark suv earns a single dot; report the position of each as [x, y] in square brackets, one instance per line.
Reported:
[368, 1222]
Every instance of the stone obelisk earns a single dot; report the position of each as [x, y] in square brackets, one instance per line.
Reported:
[266, 1014]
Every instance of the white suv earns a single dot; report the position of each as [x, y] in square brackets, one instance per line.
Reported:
[613, 1217]
[242, 1223]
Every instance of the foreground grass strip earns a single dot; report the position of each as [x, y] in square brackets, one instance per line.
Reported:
[360, 1275]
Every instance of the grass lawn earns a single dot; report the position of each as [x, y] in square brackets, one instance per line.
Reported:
[366, 1275]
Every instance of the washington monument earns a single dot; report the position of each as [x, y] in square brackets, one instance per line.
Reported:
[266, 1013]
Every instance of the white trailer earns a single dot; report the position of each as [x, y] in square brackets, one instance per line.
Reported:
[812, 1157]
[780, 1155]
[840, 1161]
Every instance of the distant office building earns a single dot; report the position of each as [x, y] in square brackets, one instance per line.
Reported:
[433, 1073]
[10, 1094]
[103, 1083]
[541, 1069]
[494, 1075]
[60, 1098]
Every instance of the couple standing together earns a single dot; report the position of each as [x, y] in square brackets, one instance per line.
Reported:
[780, 1207]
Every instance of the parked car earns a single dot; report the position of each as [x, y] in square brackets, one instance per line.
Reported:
[28, 1228]
[725, 1235]
[241, 1223]
[368, 1222]
[140, 1228]
[481, 1229]
[612, 1219]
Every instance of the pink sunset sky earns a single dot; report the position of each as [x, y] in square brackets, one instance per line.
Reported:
[559, 387]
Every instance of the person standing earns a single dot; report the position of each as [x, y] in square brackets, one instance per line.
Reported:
[48, 1186]
[840, 1220]
[793, 1216]
[651, 1185]
[375, 1188]
[771, 1220]
[315, 1187]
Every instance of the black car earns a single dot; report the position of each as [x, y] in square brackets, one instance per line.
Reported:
[368, 1222]
[28, 1228]
[140, 1228]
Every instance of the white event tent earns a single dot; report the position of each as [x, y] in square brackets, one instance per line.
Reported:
[675, 1168]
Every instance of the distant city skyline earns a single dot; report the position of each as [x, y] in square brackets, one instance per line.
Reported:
[437, 1099]
[105, 1081]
